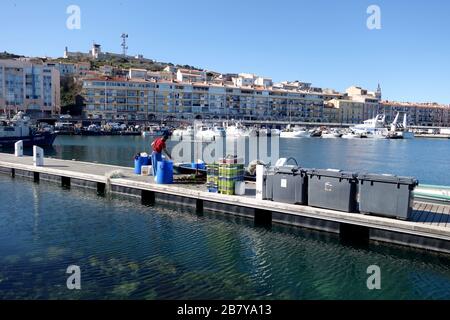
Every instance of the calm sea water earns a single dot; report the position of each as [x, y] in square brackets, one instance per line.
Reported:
[129, 251]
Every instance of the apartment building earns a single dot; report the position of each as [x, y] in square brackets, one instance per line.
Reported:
[330, 113]
[345, 111]
[250, 80]
[370, 99]
[120, 98]
[419, 114]
[187, 75]
[137, 73]
[30, 87]
[70, 69]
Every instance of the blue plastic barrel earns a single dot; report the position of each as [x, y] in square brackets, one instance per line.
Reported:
[146, 161]
[164, 173]
[139, 162]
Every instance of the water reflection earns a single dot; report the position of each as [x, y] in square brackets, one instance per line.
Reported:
[129, 251]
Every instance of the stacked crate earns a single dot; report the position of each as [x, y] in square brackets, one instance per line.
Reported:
[230, 172]
[212, 182]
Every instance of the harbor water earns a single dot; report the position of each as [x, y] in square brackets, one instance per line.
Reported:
[129, 251]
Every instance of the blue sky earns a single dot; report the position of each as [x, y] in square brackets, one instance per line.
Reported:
[325, 42]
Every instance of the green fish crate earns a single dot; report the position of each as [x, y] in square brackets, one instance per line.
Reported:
[227, 185]
[212, 174]
[231, 170]
[212, 169]
[213, 180]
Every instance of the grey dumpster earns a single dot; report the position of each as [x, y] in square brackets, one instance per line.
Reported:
[290, 185]
[268, 184]
[386, 195]
[332, 189]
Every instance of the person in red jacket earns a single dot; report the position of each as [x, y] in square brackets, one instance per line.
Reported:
[158, 147]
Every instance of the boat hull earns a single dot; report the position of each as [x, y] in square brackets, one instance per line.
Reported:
[294, 134]
[45, 139]
[331, 135]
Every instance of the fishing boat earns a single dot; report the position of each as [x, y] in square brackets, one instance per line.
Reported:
[92, 130]
[400, 130]
[373, 128]
[18, 128]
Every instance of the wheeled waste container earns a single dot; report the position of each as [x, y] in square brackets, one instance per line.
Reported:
[290, 185]
[267, 193]
[332, 189]
[386, 195]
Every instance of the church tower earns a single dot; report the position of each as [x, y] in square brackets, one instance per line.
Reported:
[378, 93]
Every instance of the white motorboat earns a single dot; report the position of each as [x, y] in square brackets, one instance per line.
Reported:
[295, 132]
[153, 131]
[275, 132]
[219, 131]
[207, 133]
[264, 132]
[184, 133]
[251, 132]
[355, 135]
[236, 130]
[332, 134]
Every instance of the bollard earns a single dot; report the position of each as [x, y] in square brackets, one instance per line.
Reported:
[18, 149]
[260, 172]
[38, 156]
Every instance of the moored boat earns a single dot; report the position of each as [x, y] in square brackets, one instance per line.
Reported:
[295, 132]
[19, 129]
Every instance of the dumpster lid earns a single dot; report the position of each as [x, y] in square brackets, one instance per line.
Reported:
[389, 178]
[286, 169]
[334, 173]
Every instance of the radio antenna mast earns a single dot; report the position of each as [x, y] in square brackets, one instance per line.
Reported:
[124, 44]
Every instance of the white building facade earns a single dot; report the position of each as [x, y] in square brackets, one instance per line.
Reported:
[29, 87]
[141, 100]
